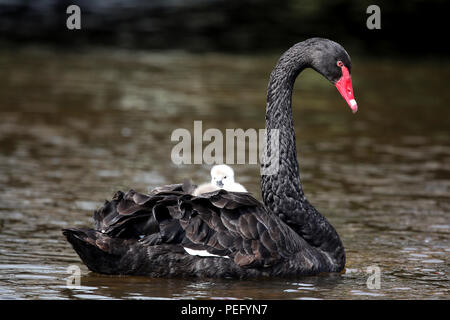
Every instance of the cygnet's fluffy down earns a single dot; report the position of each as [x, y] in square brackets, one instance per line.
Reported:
[222, 177]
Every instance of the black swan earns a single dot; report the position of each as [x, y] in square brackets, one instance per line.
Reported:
[139, 234]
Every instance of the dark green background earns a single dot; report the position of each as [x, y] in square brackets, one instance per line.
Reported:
[409, 28]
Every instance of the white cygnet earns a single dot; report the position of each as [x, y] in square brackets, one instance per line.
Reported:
[222, 177]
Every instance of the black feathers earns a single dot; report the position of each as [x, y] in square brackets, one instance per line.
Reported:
[130, 230]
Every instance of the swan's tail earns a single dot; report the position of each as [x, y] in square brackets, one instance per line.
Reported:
[104, 254]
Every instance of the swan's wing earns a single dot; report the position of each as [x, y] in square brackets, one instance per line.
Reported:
[229, 224]
[130, 215]
[223, 223]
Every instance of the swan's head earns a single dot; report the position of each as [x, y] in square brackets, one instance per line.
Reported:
[332, 61]
[222, 175]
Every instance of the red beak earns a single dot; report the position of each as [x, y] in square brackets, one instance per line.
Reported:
[344, 85]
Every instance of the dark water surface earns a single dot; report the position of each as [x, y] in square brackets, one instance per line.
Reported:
[76, 127]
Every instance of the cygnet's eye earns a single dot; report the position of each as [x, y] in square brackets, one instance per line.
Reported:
[225, 177]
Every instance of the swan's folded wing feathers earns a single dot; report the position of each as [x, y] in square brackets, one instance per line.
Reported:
[197, 230]
[248, 222]
[230, 224]
[230, 219]
[130, 214]
[232, 200]
[246, 246]
[244, 227]
[219, 202]
[260, 228]
[188, 186]
[140, 198]
[170, 231]
[268, 242]
[245, 260]
[167, 188]
[104, 215]
[222, 223]
[226, 240]
[127, 207]
[242, 230]
[174, 211]
[216, 223]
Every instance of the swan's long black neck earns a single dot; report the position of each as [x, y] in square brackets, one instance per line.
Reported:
[281, 189]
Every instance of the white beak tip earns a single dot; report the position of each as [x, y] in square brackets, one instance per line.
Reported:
[353, 105]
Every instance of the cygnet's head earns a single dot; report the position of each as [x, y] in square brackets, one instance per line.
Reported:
[222, 176]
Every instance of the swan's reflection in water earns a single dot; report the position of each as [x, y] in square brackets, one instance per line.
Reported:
[95, 122]
[224, 289]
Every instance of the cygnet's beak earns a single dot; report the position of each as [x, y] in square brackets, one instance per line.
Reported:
[219, 183]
